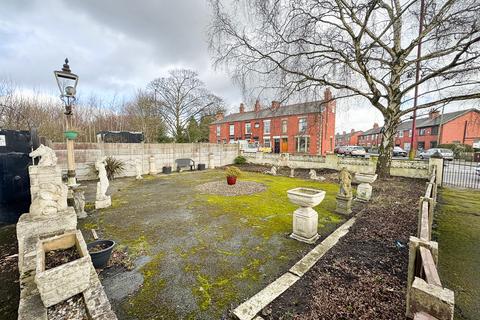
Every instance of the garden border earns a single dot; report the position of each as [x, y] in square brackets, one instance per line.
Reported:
[249, 309]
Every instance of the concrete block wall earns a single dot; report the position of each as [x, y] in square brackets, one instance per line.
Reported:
[164, 153]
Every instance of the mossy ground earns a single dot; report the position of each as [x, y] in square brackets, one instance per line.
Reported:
[208, 252]
[458, 234]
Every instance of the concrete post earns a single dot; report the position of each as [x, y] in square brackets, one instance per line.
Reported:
[436, 164]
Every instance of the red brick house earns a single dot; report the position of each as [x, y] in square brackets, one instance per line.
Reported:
[347, 139]
[298, 128]
[457, 127]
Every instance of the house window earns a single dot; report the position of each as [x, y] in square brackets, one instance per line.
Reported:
[266, 126]
[400, 134]
[248, 128]
[434, 131]
[232, 129]
[421, 132]
[410, 132]
[433, 144]
[421, 145]
[302, 144]
[218, 131]
[302, 124]
[266, 143]
[284, 126]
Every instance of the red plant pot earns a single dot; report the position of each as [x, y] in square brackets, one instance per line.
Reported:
[231, 180]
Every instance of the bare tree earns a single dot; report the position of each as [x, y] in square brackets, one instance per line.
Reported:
[362, 48]
[181, 96]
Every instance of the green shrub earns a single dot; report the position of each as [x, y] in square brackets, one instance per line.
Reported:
[240, 160]
[233, 172]
[457, 148]
[114, 167]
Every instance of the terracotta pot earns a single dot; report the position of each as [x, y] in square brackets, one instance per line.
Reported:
[231, 180]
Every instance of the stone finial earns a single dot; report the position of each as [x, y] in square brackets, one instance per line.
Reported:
[46, 154]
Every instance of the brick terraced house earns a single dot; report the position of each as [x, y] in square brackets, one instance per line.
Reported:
[307, 128]
[457, 127]
[347, 139]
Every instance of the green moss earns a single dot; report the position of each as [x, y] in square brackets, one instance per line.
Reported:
[90, 225]
[270, 212]
[458, 234]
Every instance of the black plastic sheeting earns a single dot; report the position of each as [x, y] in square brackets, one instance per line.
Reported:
[14, 180]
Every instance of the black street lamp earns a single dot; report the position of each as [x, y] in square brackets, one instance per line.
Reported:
[67, 84]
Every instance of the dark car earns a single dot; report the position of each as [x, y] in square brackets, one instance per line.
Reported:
[399, 152]
[340, 150]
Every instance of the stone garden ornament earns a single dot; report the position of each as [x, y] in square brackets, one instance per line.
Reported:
[344, 196]
[102, 200]
[313, 175]
[51, 199]
[272, 171]
[138, 169]
[46, 154]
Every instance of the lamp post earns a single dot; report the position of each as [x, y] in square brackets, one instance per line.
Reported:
[67, 84]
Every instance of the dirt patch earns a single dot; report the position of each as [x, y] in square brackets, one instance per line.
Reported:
[56, 258]
[329, 174]
[71, 309]
[364, 275]
[238, 189]
[9, 286]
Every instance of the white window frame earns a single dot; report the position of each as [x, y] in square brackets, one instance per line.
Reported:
[300, 120]
[232, 130]
[297, 144]
[285, 121]
[248, 128]
[218, 130]
[265, 126]
[269, 142]
[400, 134]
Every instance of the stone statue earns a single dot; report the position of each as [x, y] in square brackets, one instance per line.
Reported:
[313, 175]
[272, 171]
[345, 183]
[51, 199]
[102, 185]
[138, 169]
[79, 203]
[47, 156]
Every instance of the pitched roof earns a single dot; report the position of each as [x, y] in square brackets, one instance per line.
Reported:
[424, 121]
[288, 110]
[346, 135]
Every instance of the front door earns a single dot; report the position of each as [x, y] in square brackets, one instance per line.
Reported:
[276, 145]
[284, 145]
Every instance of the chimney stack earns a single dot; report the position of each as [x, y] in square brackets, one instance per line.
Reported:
[257, 106]
[242, 108]
[327, 95]
[344, 132]
[352, 131]
[219, 116]
[275, 105]
[375, 125]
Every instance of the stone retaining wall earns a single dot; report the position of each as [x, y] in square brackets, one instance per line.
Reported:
[400, 168]
[212, 155]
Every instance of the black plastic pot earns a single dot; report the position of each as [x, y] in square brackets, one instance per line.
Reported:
[167, 170]
[201, 166]
[100, 258]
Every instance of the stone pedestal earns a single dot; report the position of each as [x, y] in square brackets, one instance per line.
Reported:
[364, 192]
[344, 204]
[104, 203]
[305, 225]
[292, 172]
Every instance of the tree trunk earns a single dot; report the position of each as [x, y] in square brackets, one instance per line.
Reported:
[386, 146]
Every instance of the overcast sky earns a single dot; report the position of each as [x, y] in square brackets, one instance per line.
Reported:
[118, 46]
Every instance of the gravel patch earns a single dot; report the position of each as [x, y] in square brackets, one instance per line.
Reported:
[238, 189]
[70, 309]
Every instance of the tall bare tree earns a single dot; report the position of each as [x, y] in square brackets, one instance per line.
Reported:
[181, 96]
[362, 48]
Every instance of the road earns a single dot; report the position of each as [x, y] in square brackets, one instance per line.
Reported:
[461, 174]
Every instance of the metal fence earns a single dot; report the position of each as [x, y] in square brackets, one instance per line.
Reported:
[461, 173]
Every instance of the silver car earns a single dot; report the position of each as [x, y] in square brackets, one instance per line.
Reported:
[446, 154]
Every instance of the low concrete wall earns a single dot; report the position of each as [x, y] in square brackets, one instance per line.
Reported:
[210, 154]
[400, 168]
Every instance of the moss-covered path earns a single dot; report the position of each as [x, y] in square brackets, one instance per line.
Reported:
[458, 235]
[207, 253]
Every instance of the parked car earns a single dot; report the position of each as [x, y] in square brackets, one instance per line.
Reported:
[444, 153]
[399, 152]
[357, 151]
[340, 150]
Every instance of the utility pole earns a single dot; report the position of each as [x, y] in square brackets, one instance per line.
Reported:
[417, 78]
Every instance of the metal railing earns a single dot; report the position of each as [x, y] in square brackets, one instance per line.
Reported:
[461, 173]
[426, 297]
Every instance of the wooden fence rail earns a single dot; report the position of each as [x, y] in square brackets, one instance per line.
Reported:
[426, 298]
